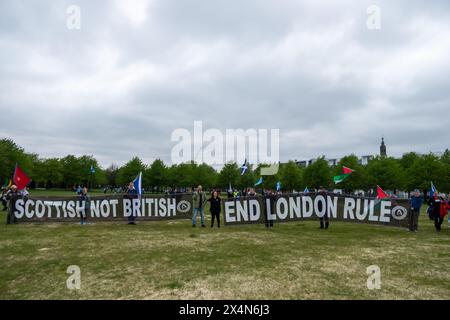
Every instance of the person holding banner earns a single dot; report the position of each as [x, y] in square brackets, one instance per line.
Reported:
[12, 197]
[436, 203]
[269, 194]
[322, 191]
[416, 202]
[215, 207]
[4, 196]
[131, 194]
[199, 199]
[86, 201]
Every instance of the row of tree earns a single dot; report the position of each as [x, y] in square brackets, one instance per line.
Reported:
[407, 173]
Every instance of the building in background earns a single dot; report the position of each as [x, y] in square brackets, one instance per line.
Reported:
[383, 153]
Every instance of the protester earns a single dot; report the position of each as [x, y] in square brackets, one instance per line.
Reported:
[24, 193]
[416, 202]
[322, 191]
[445, 206]
[86, 202]
[215, 207]
[131, 194]
[230, 193]
[273, 197]
[251, 192]
[12, 196]
[3, 197]
[435, 204]
[199, 199]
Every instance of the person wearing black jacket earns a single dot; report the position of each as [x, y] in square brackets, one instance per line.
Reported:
[4, 197]
[215, 208]
[273, 196]
[131, 194]
[12, 196]
[323, 192]
[435, 205]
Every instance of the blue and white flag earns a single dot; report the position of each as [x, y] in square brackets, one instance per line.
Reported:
[138, 184]
[433, 188]
[306, 190]
[244, 167]
[278, 186]
[92, 169]
[260, 181]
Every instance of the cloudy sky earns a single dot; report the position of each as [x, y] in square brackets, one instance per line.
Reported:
[137, 70]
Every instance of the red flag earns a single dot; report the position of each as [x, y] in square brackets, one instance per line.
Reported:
[346, 170]
[381, 194]
[20, 178]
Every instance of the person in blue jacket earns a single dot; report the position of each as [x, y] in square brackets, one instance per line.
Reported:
[416, 203]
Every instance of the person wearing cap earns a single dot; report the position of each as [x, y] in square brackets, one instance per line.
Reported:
[322, 191]
[416, 203]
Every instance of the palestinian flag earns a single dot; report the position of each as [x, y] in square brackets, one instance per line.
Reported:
[381, 194]
[20, 178]
[346, 172]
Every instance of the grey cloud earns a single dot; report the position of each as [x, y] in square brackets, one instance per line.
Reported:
[118, 87]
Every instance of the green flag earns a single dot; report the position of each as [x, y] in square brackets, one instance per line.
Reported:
[340, 178]
[346, 172]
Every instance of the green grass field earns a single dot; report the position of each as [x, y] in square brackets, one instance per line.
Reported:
[171, 260]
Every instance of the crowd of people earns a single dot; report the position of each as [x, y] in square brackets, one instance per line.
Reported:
[438, 204]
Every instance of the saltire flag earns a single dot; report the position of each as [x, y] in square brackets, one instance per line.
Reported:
[138, 184]
[20, 178]
[278, 186]
[433, 188]
[244, 167]
[92, 169]
[306, 190]
[346, 172]
[381, 194]
[260, 181]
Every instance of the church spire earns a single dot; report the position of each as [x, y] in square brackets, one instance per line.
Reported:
[383, 153]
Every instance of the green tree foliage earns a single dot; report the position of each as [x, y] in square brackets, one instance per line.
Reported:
[48, 173]
[155, 176]
[129, 171]
[387, 173]
[409, 172]
[205, 175]
[229, 174]
[111, 175]
[425, 169]
[183, 175]
[318, 174]
[10, 155]
[291, 177]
